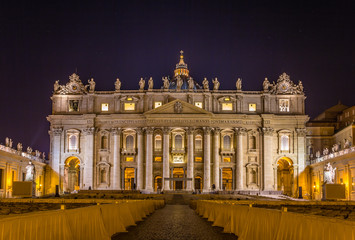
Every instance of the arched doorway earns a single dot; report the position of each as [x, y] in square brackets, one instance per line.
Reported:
[285, 175]
[158, 183]
[72, 174]
[227, 179]
[198, 183]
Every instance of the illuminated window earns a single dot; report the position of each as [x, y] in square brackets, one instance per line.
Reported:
[227, 99]
[284, 105]
[227, 106]
[157, 159]
[104, 107]
[158, 142]
[178, 142]
[226, 142]
[73, 142]
[129, 159]
[129, 106]
[285, 145]
[129, 142]
[198, 159]
[129, 99]
[157, 104]
[252, 107]
[73, 105]
[198, 104]
[178, 159]
[227, 159]
[353, 183]
[198, 142]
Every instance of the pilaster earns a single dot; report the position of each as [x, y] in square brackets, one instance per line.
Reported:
[216, 158]
[116, 132]
[166, 185]
[140, 149]
[190, 158]
[207, 159]
[149, 160]
[240, 133]
[89, 158]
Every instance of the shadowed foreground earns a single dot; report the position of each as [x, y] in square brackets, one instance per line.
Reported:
[175, 222]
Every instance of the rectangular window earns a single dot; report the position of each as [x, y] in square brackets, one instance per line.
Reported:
[73, 105]
[284, 105]
[129, 159]
[252, 107]
[198, 104]
[285, 143]
[157, 104]
[353, 184]
[198, 159]
[227, 159]
[104, 107]
[227, 106]
[129, 106]
[157, 159]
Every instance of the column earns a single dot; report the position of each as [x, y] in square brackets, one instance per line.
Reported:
[166, 185]
[89, 158]
[216, 158]
[240, 132]
[140, 169]
[190, 158]
[56, 146]
[301, 147]
[267, 159]
[149, 160]
[207, 159]
[116, 158]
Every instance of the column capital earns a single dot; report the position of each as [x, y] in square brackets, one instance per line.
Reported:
[57, 131]
[149, 130]
[89, 130]
[190, 130]
[216, 131]
[240, 131]
[207, 130]
[139, 131]
[266, 131]
[166, 130]
[116, 131]
[301, 132]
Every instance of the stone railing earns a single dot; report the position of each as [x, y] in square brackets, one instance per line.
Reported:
[334, 154]
[23, 154]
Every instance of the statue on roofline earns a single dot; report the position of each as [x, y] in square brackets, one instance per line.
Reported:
[141, 84]
[92, 85]
[215, 84]
[150, 83]
[266, 85]
[118, 84]
[205, 84]
[165, 82]
[238, 84]
[191, 83]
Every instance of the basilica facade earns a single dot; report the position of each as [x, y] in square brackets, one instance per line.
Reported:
[184, 136]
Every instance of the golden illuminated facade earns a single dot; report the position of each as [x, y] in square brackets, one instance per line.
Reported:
[184, 136]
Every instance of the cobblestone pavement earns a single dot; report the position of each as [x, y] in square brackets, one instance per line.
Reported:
[175, 222]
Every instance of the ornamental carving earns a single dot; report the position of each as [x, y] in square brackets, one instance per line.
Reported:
[149, 130]
[207, 130]
[241, 131]
[284, 85]
[89, 131]
[267, 131]
[116, 131]
[178, 107]
[301, 132]
[166, 130]
[190, 130]
[57, 131]
[217, 131]
[74, 86]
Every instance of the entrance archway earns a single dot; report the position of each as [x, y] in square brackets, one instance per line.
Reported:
[178, 173]
[129, 174]
[72, 174]
[285, 175]
[198, 183]
[227, 179]
[158, 183]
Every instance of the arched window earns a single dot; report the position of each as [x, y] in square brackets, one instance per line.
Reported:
[226, 142]
[73, 142]
[252, 142]
[129, 142]
[104, 142]
[178, 142]
[103, 176]
[158, 142]
[285, 145]
[198, 142]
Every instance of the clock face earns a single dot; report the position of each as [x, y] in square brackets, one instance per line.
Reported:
[75, 87]
[283, 87]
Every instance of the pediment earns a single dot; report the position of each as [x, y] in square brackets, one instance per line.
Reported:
[178, 107]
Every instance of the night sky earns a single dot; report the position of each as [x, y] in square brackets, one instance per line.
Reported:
[39, 43]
